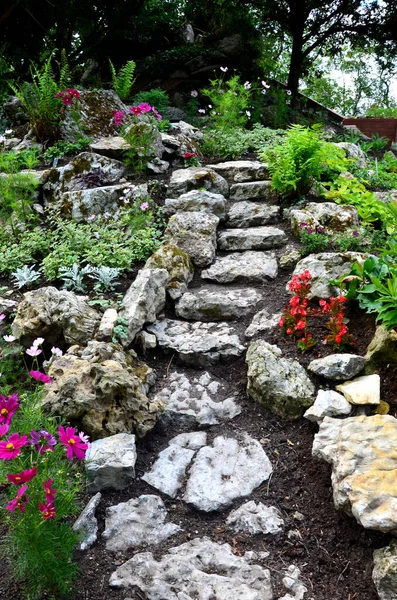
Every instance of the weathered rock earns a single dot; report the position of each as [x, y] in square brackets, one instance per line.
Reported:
[144, 299]
[112, 147]
[7, 307]
[87, 525]
[325, 267]
[147, 341]
[197, 201]
[353, 151]
[200, 400]
[292, 583]
[252, 214]
[255, 518]
[195, 234]
[262, 321]
[386, 196]
[178, 266]
[384, 574]
[328, 404]
[55, 315]
[103, 390]
[254, 238]
[188, 130]
[168, 471]
[362, 390]
[281, 385]
[217, 304]
[382, 349]
[289, 258]
[107, 325]
[199, 344]
[110, 463]
[228, 469]
[137, 522]
[238, 171]
[338, 367]
[253, 190]
[249, 267]
[193, 178]
[327, 214]
[195, 568]
[363, 456]
[157, 166]
[80, 205]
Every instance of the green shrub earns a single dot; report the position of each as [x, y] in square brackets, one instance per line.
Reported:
[63, 148]
[387, 112]
[17, 193]
[155, 97]
[123, 80]
[234, 143]
[230, 101]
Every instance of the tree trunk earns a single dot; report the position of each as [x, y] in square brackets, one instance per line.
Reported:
[296, 63]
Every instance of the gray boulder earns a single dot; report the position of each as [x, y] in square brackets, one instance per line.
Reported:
[327, 214]
[110, 146]
[328, 404]
[239, 171]
[245, 267]
[195, 234]
[353, 151]
[193, 178]
[178, 266]
[217, 304]
[253, 190]
[197, 201]
[384, 574]
[254, 518]
[337, 367]
[281, 385]
[254, 238]
[252, 214]
[79, 205]
[262, 321]
[87, 524]
[110, 463]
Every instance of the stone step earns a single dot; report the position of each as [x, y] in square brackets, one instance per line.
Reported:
[198, 344]
[217, 304]
[252, 214]
[244, 267]
[253, 190]
[239, 171]
[253, 238]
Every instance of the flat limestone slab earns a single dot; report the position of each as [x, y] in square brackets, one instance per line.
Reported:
[252, 190]
[252, 214]
[253, 238]
[206, 304]
[244, 267]
[362, 390]
[239, 171]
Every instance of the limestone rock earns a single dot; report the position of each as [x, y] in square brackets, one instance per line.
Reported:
[144, 299]
[225, 471]
[103, 390]
[384, 574]
[327, 214]
[79, 205]
[325, 267]
[244, 267]
[199, 344]
[289, 258]
[112, 147]
[195, 234]
[55, 315]
[362, 390]
[110, 463]
[253, 190]
[363, 456]
[147, 341]
[281, 385]
[194, 178]
[197, 201]
[217, 304]
[255, 518]
[262, 321]
[292, 583]
[190, 570]
[239, 171]
[353, 151]
[87, 525]
[382, 349]
[7, 307]
[157, 166]
[137, 522]
[254, 238]
[338, 367]
[328, 404]
[107, 325]
[178, 266]
[200, 400]
[252, 214]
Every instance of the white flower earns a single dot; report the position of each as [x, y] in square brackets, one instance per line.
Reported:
[263, 92]
[56, 351]
[9, 338]
[8, 131]
[247, 85]
[210, 106]
[224, 69]
[194, 93]
[96, 235]
[247, 112]
[2, 139]
[288, 92]
[37, 342]
[91, 218]
[265, 85]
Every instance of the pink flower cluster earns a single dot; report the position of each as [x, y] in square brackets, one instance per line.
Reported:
[41, 441]
[119, 116]
[67, 96]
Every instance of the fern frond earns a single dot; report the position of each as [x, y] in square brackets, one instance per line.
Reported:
[124, 79]
[65, 74]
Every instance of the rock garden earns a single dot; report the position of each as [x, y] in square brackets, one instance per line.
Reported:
[198, 355]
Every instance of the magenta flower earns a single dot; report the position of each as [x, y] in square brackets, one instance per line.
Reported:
[33, 351]
[47, 510]
[42, 441]
[11, 448]
[144, 206]
[156, 112]
[145, 107]
[59, 95]
[40, 377]
[119, 117]
[75, 446]
[4, 429]
[24, 477]
[72, 92]
[2, 317]
[135, 110]
[17, 502]
[49, 491]
[355, 233]
[8, 407]
[67, 100]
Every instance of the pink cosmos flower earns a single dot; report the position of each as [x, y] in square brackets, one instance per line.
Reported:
[72, 92]
[9, 338]
[119, 117]
[42, 441]
[224, 69]
[33, 351]
[135, 110]
[47, 510]
[75, 446]
[2, 317]
[49, 491]
[265, 85]
[56, 351]
[24, 477]
[17, 502]
[202, 111]
[194, 93]
[40, 377]
[145, 107]
[144, 206]
[91, 217]
[4, 429]
[37, 342]
[67, 100]
[11, 448]
[8, 406]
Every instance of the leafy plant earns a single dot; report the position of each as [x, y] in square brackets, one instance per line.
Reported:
[73, 277]
[25, 276]
[123, 80]
[155, 97]
[120, 330]
[387, 112]
[230, 101]
[313, 239]
[376, 143]
[105, 277]
[63, 148]
[234, 143]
